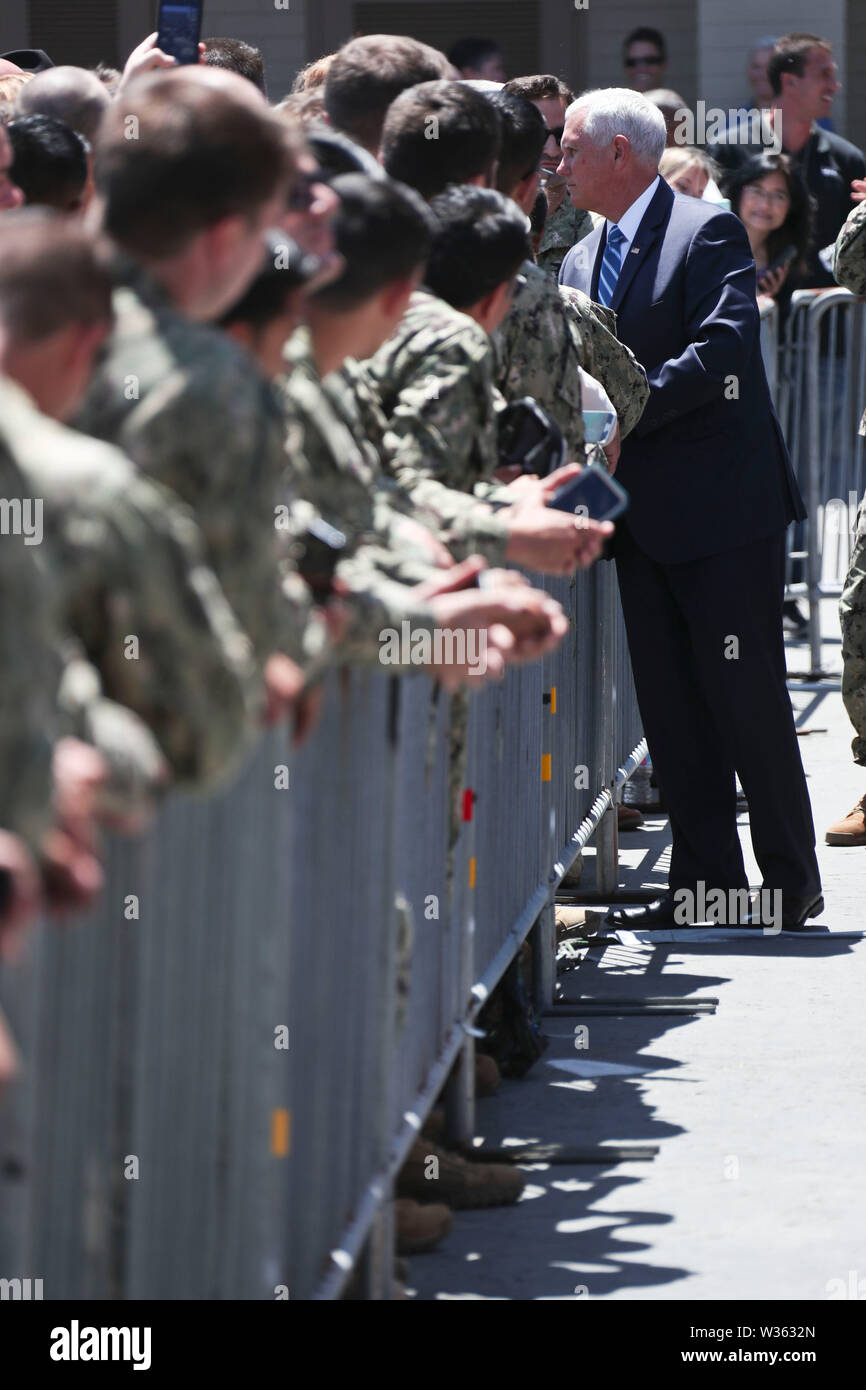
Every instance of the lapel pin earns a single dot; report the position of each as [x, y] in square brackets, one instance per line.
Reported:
[634, 250]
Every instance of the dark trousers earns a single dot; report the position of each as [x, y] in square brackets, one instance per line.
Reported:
[709, 666]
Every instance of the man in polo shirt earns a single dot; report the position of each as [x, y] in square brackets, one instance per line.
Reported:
[803, 76]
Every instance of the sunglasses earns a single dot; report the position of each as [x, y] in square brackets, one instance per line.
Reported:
[644, 62]
[556, 132]
[302, 196]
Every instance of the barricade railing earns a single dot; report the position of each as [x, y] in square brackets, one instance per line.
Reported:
[224, 1066]
[820, 397]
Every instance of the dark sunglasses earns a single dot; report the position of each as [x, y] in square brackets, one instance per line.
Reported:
[301, 197]
[644, 62]
[556, 132]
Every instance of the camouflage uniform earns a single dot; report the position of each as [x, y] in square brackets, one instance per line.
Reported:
[849, 267]
[126, 558]
[31, 674]
[538, 357]
[606, 358]
[849, 260]
[334, 470]
[561, 230]
[466, 525]
[435, 380]
[192, 410]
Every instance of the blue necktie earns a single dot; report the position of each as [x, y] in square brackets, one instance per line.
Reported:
[610, 265]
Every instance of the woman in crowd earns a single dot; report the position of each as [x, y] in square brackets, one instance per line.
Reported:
[771, 200]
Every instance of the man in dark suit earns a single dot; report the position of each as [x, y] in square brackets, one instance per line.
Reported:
[700, 553]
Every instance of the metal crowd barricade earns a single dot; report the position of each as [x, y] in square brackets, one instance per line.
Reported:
[821, 395]
[224, 1067]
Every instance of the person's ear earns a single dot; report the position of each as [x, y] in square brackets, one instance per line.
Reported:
[394, 297]
[526, 192]
[621, 149]
[490, 311]
[82, 341]
[223, 238]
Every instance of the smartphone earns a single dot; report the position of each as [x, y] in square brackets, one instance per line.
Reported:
[593, 494]
[322, 546]
[779, 263]
[179, 29]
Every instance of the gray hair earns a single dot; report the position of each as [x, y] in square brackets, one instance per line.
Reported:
[612, 111]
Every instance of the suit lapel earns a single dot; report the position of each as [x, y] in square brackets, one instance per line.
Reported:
[647, 234]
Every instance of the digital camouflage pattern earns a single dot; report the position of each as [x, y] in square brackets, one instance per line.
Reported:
[607, 359]
[464, 524]
[29, 653]
[435, 380]
[537, 355]
[191, 409]
[335, 472]
[849, 260]
[852, 616]
[562, 230]
[134, 591]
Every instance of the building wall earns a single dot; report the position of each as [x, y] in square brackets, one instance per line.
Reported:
[607, 25]
[726, 31]
[854, 73]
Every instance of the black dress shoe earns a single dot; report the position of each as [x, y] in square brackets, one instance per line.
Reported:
[797, 908]
[658, 915]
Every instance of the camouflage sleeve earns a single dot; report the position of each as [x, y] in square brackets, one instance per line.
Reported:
[852, 615]
[607, 359]
[538, 356]
[137, 772]
[464, 524]
[443, 423]
[849, 257]
[31, 665]
[157, 626]
[173, 435]
[378, 608]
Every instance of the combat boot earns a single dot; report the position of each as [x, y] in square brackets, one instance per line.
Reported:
[420, 1228]
[851, 830]
[433, 1174]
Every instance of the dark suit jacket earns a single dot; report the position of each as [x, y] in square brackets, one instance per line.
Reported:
[706, 465]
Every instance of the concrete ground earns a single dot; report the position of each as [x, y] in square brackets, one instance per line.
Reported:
[758, 1111]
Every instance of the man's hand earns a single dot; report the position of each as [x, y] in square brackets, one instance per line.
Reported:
[424, 539]
[771, 281]
[611, 450]
[21, 892]
[534, 620]
[553, 542]
[461, 576]
[283, 682]
[858, 190]
[146, 57]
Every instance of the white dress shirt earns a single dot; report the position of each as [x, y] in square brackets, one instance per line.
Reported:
[632, 218]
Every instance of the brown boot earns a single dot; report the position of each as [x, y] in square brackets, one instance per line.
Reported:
[851, 830]
[487, 1075]
[420, 1228]
[627, 818]
[433, 1174]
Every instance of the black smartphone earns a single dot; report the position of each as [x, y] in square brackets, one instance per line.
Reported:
[179, 29]
[593, 494]
[782, 260]
[321, 548]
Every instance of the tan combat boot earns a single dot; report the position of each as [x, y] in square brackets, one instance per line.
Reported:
[420, 1228]
[433, 1174]
[851, 830]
